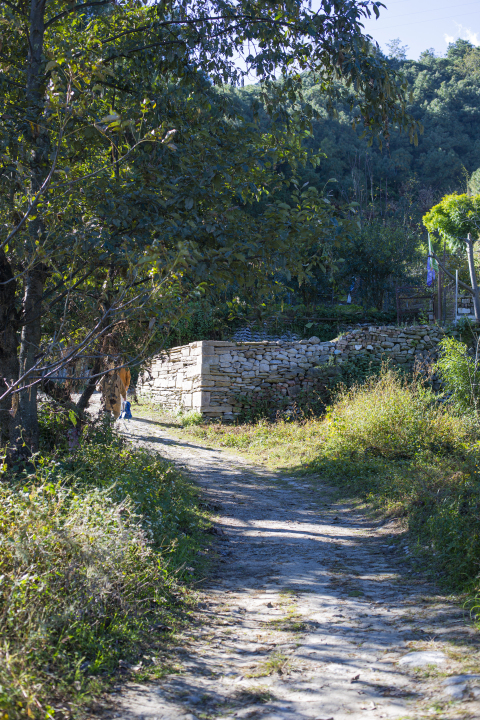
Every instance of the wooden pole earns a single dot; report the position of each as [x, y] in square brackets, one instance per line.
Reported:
[439, 296]
[455, 314]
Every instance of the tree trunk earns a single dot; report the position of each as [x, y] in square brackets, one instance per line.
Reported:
[29, 349]
[84, 399]
[8, 352]
[473, 277]
[35, 276]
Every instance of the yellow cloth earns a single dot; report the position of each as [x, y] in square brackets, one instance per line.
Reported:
[125, 376]
[113, 390]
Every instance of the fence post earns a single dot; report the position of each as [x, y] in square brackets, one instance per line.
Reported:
[455, 314]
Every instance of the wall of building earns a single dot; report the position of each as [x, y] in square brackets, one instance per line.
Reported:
[209, 376]
[465, 307]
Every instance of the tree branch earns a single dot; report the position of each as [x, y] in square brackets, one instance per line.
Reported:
[40, 193]
[13, 7]
[75, 9]
[452, 277]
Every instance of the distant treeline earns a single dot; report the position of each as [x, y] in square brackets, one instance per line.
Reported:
[445, 98]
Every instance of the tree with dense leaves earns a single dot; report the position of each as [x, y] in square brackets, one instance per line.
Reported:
[457, 219]
[124, 175]
[376, 256]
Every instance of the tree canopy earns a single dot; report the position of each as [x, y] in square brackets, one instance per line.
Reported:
[445, 99]
[457, 220]
[455, 217]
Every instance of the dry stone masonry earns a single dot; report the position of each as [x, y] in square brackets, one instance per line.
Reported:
[211, 375]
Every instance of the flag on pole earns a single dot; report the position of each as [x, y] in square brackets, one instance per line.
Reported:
[432, 265]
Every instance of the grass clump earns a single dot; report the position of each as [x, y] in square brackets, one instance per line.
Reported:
[459, 371]
[97, 547]
[191, 417]
[276, 662]
[392, 417]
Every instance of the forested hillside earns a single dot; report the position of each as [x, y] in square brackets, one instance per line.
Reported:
[445, 98]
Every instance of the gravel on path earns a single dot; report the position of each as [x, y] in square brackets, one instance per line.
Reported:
[309, 614]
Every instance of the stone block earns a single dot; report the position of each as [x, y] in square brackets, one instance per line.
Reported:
[217, 409]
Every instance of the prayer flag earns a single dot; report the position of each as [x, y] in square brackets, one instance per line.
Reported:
[432, 265]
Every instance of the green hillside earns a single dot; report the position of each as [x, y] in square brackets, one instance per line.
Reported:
[445, 98]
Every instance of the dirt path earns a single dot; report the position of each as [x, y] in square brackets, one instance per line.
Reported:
[309, 615]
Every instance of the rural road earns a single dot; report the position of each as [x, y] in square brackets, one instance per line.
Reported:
[310, 614]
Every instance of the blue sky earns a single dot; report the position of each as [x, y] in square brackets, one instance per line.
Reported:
[423, 24]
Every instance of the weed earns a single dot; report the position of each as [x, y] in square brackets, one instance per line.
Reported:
[391, 417]
[191, 417]
[258, 694]
[277, 662]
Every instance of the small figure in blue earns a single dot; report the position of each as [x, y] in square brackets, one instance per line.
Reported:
[126, 413]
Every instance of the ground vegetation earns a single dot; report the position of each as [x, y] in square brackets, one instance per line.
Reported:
[99, 547]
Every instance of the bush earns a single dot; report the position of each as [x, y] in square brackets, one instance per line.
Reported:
[94, 548]
[391, 442]
[392, 417]
[191, 417]
[459, 372]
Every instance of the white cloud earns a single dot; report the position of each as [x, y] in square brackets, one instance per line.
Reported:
[472, 37]
[464, 33]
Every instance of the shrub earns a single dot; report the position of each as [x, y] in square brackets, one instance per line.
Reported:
[94, 547]
[392, 442]
[191, 417]
[459, 372]
[392, 417]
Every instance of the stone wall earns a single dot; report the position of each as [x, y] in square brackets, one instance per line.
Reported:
[209, 376]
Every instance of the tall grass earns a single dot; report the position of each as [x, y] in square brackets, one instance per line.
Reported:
[393, 417]
[96, 549]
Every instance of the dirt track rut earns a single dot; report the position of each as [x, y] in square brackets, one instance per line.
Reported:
[309, 613]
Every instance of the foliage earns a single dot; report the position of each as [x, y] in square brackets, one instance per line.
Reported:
[455, 217]
[376, 256]
[474, 182]
[391, 417]
[354, 371]
[127, 175]
[191, 417]
[458, 370]
[312, 401]
[216, 319]
[267, 404]
[406, 181]
[95, 548]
